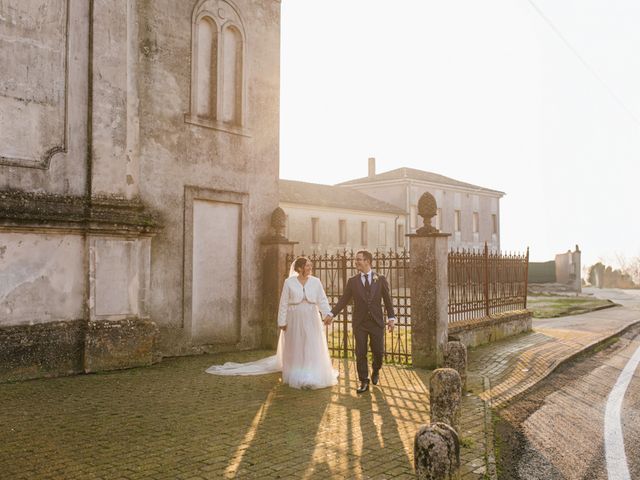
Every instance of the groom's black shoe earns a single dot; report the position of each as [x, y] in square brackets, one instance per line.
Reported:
[364, 386]
[375, 377]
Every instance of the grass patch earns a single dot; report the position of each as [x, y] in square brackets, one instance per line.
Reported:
[545, 306]
[467, 442]
[396, 344]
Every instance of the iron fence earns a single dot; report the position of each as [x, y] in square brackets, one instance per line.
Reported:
[484, 283]
[480, 284]
[334, 270]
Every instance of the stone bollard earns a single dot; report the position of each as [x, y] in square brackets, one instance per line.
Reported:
[445, 395]
[436, 452]
[455, 357]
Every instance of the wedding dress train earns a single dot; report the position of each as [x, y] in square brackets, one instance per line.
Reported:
[302, 354]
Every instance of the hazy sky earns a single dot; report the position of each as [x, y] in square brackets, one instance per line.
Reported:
[482, 91]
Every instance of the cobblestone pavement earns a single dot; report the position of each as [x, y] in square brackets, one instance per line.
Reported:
[475, 432]
[173, 421]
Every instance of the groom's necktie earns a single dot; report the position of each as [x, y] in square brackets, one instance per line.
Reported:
[367, 285]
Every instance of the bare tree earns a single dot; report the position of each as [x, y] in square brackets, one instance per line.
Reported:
[629, 266]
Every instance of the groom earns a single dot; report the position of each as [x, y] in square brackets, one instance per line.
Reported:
[368, 290]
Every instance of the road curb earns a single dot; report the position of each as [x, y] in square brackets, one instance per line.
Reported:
[491, 469]
[587, 349]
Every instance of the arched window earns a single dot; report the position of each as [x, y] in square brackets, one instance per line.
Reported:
[218, 82]
[232, 79]
[206, 68]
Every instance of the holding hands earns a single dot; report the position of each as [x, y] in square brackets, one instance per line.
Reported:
[328, 320]
[390, 324]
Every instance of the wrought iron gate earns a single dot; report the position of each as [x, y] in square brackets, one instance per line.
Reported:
[334, 270]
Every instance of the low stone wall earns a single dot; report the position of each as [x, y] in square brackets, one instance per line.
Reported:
[41, 350]
[70, 347]
[117, 344]
[489, 329]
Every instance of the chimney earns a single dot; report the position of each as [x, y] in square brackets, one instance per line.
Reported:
[372, 167]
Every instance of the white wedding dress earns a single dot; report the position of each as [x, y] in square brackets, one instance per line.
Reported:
[302, 354]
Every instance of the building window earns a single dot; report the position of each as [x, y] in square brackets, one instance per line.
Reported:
[217, 68]
[205, 94]
[382, 234]
[364, 234]
[401, 237]
[342, 232]
[476, 222]
[231, 75]
[457, 220]
[414, 216]
[439, 219]
[286, 226]
[494, 224]
[315, 230]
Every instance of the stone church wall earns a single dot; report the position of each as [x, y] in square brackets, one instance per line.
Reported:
[120, 195]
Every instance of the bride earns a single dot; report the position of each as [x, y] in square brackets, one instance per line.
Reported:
[302, 354]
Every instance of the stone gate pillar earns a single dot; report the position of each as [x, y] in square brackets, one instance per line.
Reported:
[275, 270]
[428, 283]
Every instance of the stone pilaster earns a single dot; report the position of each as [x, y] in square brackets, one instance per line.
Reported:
[429, 299]
[429, 289]
[275, 250]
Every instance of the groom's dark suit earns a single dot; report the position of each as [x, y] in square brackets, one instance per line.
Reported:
[368, 320]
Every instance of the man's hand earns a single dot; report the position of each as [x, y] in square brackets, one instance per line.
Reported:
[283, 328]
[327, 320]
[390, 325]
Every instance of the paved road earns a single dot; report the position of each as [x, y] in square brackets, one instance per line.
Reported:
[627, 298]
[556, 431]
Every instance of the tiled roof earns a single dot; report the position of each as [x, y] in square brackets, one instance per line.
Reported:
[331, 196]
[414, 174]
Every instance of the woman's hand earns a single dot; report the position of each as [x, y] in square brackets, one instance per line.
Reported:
[283, 328]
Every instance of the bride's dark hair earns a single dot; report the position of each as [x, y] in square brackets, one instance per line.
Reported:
[300, 263]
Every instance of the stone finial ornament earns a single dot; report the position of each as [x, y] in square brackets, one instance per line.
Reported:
[427, 209]
[279, 222]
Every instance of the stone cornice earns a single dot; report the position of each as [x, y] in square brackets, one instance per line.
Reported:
[111, 215]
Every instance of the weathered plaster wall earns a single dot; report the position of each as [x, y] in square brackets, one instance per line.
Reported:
[118, 277]
[175, 154]
[114, 125]
[93, 139]
[43, 95]
[41, 278]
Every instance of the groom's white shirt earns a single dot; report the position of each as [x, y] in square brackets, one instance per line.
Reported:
[293, 293]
